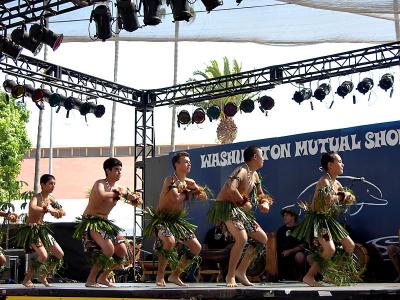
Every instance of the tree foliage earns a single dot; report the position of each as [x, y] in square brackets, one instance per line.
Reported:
[14, 143]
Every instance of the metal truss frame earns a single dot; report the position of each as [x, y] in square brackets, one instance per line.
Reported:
[300, 72]
[60, 78]
[14, 13]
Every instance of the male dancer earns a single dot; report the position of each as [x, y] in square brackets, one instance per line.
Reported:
[169, 224]
[325, 207]
[100, 236]
[36, 235]
[233, 206]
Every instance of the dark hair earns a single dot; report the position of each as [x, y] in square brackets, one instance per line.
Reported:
[290, 211]
[327, 158]
[249, 153]
[177, 156]
[45, 178]
[110, 163]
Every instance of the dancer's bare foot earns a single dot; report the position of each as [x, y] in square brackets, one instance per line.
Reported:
[311, 281]
[230, 281]
[175, 279]
[28, 283]
[43, 280]
[160, 281]
[243, 279]
[92, 285]
[105, 282]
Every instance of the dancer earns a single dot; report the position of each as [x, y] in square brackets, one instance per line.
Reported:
[11, 217]
[169, 224]
[35, 236]
[102, 239]
[240, 193]
[326, 230]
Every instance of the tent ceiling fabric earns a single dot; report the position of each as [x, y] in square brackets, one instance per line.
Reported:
[259, 21]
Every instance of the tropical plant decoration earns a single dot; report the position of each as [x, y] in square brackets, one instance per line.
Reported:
[227, 129]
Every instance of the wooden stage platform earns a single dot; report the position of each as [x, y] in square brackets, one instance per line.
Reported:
[276, 290]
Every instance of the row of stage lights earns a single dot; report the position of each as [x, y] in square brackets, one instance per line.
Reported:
[364, 86]
[38, 96]
[127, 12]
[32, 40]
[230, 109]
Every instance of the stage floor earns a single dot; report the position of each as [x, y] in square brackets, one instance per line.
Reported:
[277, 290]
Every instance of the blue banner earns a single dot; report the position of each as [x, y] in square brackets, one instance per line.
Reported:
[292, 167]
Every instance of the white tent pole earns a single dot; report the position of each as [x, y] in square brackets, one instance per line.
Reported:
[114, 106]
[396, 18]
[172, 149]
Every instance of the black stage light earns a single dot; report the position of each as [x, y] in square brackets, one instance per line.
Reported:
[127, 15]
[302, 95]
[151, 10]
[9, 48]
[365, 85]
[183, 117]
[199, 115]
[322, 91]
[90, 107]
[345, 88]
[247, 105]
[266, 104]
[43, 35]
[56, 99]
[102, 17]
[180, 10]
[213, 112]
[211, 4]
[20, 37]
[230, 109]
[386, 81]
[16, 90]
[72, 103]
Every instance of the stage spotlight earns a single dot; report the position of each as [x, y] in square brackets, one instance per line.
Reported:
[230, 109]
[386, 81]
[16, 90]
[56, 99]
[90, 107]
[20, 37]
[180, 10]
[102, 17]
[127, 15]
[302, 95]
[322, 91]
[35, 94]
[72, 103]
[41, 34]
[9, 48]
[365, 85]
[199, 115]
[211, 4]
[213, 112]
[266, 104]
[183, 117]
[345, 88]
[151, 10]
[247, 105]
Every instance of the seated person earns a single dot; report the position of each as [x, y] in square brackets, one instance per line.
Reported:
[290, 251]
[394, 255]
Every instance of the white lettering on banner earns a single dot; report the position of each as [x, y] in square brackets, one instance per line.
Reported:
[390, 137]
